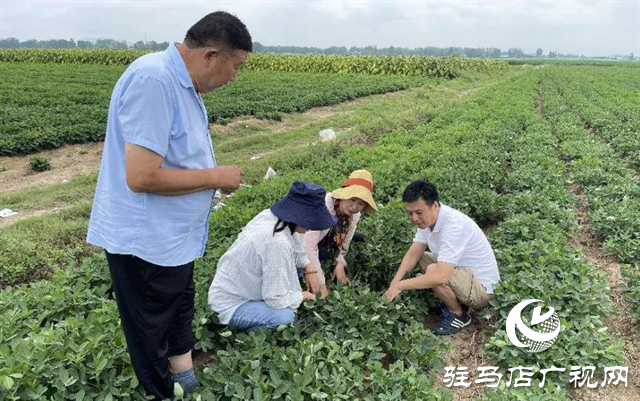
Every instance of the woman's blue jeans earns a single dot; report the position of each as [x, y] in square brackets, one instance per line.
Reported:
[255, 315]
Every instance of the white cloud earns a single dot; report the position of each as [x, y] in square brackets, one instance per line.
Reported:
[587, 27]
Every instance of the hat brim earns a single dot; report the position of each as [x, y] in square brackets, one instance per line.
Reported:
[357, 191]
[306, 216]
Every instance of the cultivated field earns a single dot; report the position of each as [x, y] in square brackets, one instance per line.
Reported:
[546, 159]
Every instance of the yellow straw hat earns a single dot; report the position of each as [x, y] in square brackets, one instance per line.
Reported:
[358, 185]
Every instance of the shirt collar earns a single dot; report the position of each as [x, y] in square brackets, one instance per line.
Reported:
[180, 66]
[442, 217]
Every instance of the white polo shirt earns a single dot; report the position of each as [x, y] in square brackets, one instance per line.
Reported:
[458, 240]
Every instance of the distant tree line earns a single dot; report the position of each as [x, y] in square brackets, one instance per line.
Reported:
[14, 43]
[490, 52]
[477, 52]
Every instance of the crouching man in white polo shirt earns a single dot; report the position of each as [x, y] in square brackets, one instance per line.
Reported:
[461, 268]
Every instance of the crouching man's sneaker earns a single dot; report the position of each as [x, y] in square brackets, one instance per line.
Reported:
[452, 323]
[439, 308]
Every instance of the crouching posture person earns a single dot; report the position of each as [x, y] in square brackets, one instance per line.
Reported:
[461, 268]
[346, 203]
[256, 283]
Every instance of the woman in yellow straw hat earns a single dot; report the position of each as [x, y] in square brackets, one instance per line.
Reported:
[346, 204]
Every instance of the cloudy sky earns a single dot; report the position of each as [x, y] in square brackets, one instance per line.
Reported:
[579, 27]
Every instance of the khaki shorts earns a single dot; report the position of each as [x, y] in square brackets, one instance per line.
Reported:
[463, 282]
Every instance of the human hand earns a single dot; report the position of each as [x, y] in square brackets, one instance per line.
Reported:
[339, 274]
[312, 281]
[324, 292]
[308, 296]
[393, 291]
[228, 178]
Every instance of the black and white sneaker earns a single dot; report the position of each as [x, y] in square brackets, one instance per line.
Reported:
[439, 308]
[452, 323]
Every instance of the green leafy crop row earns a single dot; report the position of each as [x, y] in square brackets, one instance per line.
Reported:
[612, 189]
[61, 339]
[492, 157]
[608, 101]
[536, 258]
[48, 106]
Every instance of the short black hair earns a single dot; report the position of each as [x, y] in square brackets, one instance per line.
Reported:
[219, 29]
[421, 189]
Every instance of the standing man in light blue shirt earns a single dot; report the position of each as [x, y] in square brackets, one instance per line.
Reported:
[155, 191]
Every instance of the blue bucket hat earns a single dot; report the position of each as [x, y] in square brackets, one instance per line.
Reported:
[305, 206]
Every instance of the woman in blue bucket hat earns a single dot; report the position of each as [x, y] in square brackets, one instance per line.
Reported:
[256, 283]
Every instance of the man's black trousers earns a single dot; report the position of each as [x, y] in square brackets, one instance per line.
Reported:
[156, 307]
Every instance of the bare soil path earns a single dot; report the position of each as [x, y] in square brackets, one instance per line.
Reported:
[66, 163]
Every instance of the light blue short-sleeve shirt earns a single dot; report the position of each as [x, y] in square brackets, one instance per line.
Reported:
[154, 105]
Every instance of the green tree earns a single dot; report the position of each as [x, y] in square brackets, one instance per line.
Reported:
[371, 50]
[110, 44]
[9, 43]
[515, 52]
[85, 44]
[139, 45]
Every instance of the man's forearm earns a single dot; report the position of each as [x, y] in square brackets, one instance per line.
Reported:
[407, 265]
[171, 182]
[144, 173]
[402, 271]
